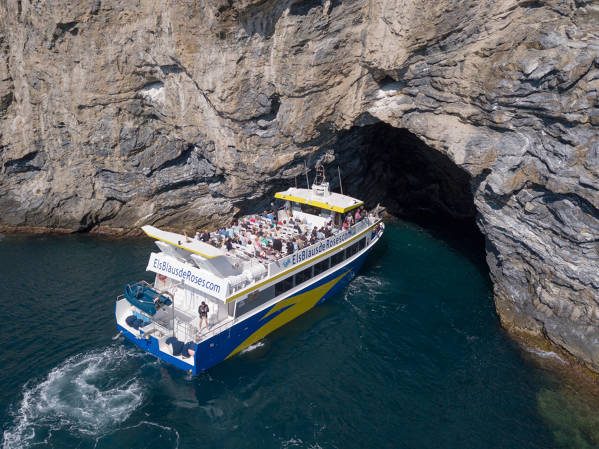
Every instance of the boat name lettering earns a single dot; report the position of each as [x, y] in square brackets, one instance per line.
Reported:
[196, 278]
[186, 275]
[313, 250]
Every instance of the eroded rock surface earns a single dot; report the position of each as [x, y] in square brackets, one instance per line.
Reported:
[116, 114]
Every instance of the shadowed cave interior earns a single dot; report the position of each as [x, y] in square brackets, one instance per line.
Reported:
[416, 183]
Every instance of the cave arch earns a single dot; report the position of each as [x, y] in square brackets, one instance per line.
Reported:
[416, 181]
[394, 167]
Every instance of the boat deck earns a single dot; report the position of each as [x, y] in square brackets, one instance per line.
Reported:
[253, 238]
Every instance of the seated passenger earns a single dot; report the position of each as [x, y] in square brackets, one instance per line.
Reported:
[264, 242]
[205, 237]
[257, 245]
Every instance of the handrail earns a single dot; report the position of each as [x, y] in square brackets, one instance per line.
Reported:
[221, 327]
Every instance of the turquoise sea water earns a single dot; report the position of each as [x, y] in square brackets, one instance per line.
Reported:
[409, 355]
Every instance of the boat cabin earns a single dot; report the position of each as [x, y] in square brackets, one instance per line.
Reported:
[317, 205]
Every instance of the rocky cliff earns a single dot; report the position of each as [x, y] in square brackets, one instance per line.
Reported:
[116, 114]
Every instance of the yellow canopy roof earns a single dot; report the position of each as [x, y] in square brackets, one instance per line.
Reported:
[331, 201]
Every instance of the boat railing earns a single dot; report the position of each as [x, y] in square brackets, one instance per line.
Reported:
[215, 330]
[185, 329]
[283, 263]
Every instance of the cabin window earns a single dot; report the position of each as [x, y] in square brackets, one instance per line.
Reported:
[321, 267]
[284, 285]
[312, 210]
[303, 276]
[255, 299]
[362, 244]
[351, 250]
[337, 258]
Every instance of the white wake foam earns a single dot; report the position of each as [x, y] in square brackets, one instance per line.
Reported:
[87, 394]
[250, 348]
[369, 286]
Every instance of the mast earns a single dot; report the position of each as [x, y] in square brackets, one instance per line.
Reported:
[306, 172]
[320, 175]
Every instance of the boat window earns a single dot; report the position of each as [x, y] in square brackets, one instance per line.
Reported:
[303, 276]
[312, 210]
[351, 250]
[362, 244]
[255, 299]
[337, 258]
[283, 286]
[321, 267]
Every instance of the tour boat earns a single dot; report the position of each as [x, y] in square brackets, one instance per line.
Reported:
[277, 266]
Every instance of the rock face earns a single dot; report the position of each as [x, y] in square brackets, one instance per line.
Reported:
[116, 114]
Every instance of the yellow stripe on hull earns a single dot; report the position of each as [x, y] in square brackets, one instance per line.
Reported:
[296, 305]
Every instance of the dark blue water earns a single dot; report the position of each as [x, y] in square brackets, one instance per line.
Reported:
[410, 355]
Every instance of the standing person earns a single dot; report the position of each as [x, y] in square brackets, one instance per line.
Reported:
[277, 244]
[203, 312]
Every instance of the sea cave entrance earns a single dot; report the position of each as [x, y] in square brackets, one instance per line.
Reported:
[394, 167]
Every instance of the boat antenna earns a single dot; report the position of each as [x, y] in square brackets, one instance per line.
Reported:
[320, 176]
[340, 185]
[306, 172]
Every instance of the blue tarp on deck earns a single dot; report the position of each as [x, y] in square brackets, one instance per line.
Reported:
[142, 297]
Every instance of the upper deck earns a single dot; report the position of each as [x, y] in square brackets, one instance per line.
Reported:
[320, 197]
